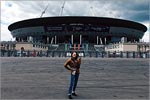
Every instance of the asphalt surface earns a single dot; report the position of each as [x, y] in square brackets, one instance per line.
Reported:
[100, 78]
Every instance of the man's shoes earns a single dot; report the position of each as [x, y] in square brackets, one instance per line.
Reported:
[70, 97]
[74, 94]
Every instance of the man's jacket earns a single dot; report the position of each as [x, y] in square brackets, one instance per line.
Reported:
[73, 65]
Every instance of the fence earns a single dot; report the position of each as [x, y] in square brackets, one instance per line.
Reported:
[103, 54]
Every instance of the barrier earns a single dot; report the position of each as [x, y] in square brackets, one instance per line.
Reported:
[96, 54]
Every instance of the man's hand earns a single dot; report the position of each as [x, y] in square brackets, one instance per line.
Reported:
[74, 72]
[79, 58]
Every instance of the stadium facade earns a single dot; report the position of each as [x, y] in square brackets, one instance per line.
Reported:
[71, 32]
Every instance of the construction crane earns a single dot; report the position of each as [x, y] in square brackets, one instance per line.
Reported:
[44, 10]
[92, 11]
[62, 9]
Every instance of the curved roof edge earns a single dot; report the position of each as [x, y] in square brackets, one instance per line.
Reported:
[78, 19]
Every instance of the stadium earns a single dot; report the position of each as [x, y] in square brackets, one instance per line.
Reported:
[76, 31]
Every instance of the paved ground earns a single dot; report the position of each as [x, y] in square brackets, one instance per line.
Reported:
[46, 78]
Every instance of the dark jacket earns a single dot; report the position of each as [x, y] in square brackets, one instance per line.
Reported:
[72, 65]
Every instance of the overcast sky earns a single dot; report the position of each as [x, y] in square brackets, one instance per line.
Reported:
[134, 10]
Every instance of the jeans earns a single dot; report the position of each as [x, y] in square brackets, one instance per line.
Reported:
[73, 83]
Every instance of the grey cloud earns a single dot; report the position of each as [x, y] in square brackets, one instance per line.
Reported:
[136, 10]
[128, 9]
[76, 8]
[37, 7]
[140, 17]
[30, 7]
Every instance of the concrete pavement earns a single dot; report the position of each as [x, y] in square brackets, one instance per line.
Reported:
[100, 78]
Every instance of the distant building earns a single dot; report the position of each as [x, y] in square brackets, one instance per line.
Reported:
[31, 46]
[137, 47]
[13, 45]
[66, 33]
[8, 45]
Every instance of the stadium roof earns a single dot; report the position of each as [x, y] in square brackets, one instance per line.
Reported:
[77, 19]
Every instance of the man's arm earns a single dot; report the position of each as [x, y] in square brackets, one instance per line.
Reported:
[79, 60]
[67, 66]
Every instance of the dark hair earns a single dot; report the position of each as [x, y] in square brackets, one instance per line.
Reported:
[77, 55]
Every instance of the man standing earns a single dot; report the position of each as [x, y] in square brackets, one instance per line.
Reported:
[73, 65]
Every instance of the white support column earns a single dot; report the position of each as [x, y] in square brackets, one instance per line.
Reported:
[52, 40]
[19, 39]
[97, 40]
[8, 46]
[47, 40]
[80, 39]
[105, 40]
[72, 38]
[30, 38]
[100, 41]
[55, 39]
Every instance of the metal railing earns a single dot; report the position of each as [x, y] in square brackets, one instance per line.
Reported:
[96, 54]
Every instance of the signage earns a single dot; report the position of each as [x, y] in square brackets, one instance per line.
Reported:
[76, 27]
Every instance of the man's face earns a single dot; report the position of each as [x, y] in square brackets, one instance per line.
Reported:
[74, 54]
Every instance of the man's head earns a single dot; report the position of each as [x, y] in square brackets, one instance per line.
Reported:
[74, 55]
